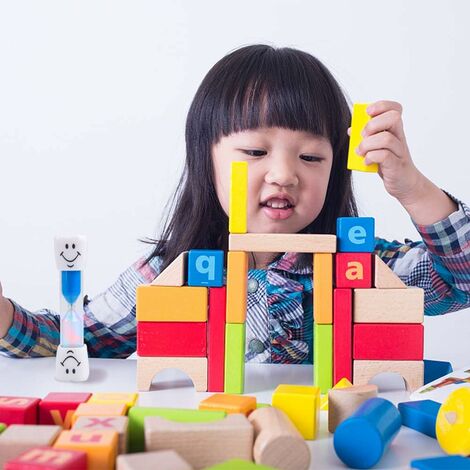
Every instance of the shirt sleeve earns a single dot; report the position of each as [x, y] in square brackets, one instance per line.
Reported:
[439, 264]
[109, 322]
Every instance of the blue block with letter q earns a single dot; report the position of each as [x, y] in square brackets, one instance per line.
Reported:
[206, 268]
[355, 234]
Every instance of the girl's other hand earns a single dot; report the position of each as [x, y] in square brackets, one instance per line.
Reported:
[6, 313]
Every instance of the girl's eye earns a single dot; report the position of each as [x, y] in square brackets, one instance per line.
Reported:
[255, 153]
[311, 158]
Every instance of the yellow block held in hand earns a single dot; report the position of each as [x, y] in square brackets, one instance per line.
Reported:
[238, 198]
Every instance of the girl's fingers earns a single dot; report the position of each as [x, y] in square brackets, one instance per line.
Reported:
[385, 158]
[383, 106]
[381, 141]
[388, 121]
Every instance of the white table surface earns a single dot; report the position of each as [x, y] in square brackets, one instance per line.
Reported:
[172, 388]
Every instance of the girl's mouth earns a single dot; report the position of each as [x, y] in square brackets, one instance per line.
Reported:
[277, 209]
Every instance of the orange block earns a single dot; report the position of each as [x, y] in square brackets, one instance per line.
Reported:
[229, 403]
[99, 409]
[323, 288]
[237, 280]
[164, 303]
[100, 446]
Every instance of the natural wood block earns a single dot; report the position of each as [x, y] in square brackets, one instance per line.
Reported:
[229, 403]
[384, 277]
[238, 201]
[353, 270]
[202, 444]
[171, 304]
[389, 305]
[194, 367]
[103, 398]
[47, 458]
[234, 381]
[323, 357]
[237, 280]
[216, 339]
[323, 288]
[18, 410]
[282, 242]
[277, 441]
[164, 459]
[98, 409]
[411, 371]
[342, 383]
[174, 275]
[343, 402]
[342, 334]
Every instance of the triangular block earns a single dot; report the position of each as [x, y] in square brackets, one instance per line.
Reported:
[385, 278]
[175, 273]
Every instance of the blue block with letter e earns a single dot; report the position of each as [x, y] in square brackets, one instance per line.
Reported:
[355, 234]
[206, 268]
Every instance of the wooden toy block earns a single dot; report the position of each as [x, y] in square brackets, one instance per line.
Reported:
[239, 464]
[359, 120]
[2, 427]
[323, 357]
[389, 305]
[206, 268]
[175, 339]
[216, 339]
[58, 407]
[234, 379]
[435, 370]
[99, 410]
[171, 304]
[454, 462]
[229, 403]
[453, 423]
[48, 458]
[361, 440]
[137, 414]
[202, 444]
[353, 270]
[411, 371]
[355, 234]
[342, 334]
[282, 242]
[277, 440]
[237, 280]
[323, 288]
[99, 445]
[19, 410]
[384, 277]
[388, 341]
[343, 402]
[194, 367]
[342, 383]
[420, 415]
[301, 403]
[174, 275]
[18, 438]
[103, 398]
[238, 197]
[116, 423]
[164, 459]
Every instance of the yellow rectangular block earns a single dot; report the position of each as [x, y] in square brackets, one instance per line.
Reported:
[171, 304]
[97, 409]
[359, 119]
[229, 403]
[128, 399]
[237, 280]
[323, 288]
[238, 197]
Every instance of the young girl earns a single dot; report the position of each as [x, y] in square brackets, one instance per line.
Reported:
[283, 112]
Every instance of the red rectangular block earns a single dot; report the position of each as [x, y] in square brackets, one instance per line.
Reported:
[388, 341]
[48, 458]
[19, 410]
[342, 335]
[216, 339]
[353, 270]
[58, 407]
[178, 339]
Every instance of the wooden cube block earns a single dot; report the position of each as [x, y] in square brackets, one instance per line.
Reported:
[323, 288]
[98, 409]
[18, 410]
[216, 339]
[323, 357]
[164, 459]
[237, 281]
[59, 407]
[174, 275]
[356, 234]
[175, 304]
[229, 403]
[48, 458]
[389, 305]
[99, 445]
[2, 427]
[238, 201]
[172, 339]
[353, 270]
[384, 277]
[301, 403]
[206, 268]
[234, 358]
[104, 398]
[342, 335]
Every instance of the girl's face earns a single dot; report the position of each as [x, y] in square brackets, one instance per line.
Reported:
[288, 173]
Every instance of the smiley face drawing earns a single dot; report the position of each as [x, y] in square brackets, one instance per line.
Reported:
[70, 252]
[70, 363]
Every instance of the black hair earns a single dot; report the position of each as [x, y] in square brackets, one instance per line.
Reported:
[255, 86]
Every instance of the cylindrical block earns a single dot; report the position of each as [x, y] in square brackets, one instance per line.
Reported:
[361, 440]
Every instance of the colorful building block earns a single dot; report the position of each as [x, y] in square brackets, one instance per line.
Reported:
[206, 268]
[174, 275]
[323, 357]
[342, 383]
[384, 277]
[238, 201]
[164, 459]
[229, 403]
[342, 334]
[239, 464]
[234, 379]
[19, 410]
[454, 462]
[237, 280]
[435, 370]
[420, 415]
[216, 339]
[323, 288]
[99, 410]
[353, 270]
[2, 427]
[47, 458]
[355, 234]
[129, 399]
[59, 407]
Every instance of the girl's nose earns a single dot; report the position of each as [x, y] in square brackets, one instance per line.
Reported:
[282, 172]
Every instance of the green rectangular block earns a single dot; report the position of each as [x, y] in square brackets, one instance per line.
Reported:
[323, 357]
[2, 427]
[234, 380]
[239, 464]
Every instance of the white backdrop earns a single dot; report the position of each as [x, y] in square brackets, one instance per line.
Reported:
[94, 94]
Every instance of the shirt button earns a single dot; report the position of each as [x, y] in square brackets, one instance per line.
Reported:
[252, 285]
[256, 346]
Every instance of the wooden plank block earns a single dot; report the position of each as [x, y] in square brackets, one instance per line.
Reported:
[229, 403]
[359, 120]
[216, 339]
[323, 288]
[176, 304]
[234, 381]
[238, 202]
[237, 280]
[411, 371]
[353, 270]
[174, 339]
[47, 458]
[342, 335]
[164, 459]
[282, 242]
[388, 341]
[18, 410]
[389, 305]
[58, 407]
[323, 357]
[129, 399]
[174, 275]
[384, 277]
[194, 367]
[98, 409]
[202, 444]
